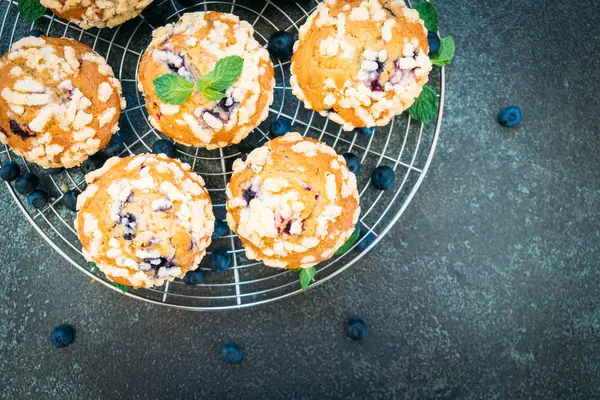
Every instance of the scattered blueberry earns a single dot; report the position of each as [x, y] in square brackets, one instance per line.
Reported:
[281, 45]
[53, 171]
[26, 183]
[353, 162]
[251, 142]
[365, 240]
[366, 131]
[10, 171]
[356, 329]
[221, 228]
[509, 116]
[382, 177]
[231, 353]
[434, 42]
[36, 33]
[115, 146]
[220, 260]
[91, 164]
[164, 147]
[38, 199]
[70, 199]
[193, 277]
[280, 127]
[62, 335]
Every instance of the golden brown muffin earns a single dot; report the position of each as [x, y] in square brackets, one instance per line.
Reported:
[96, 13]
[293, 202]
[191, 48]
[360, 62]
[59, 101]
[144, 219]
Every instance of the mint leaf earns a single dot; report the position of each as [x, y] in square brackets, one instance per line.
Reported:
[120, 286]
[93, 267]
[425, 106]
[306, 276]
[31, 9]
[349, 243]
[212, 95]
[227, 71]
[428, 14]
[445, 53]
[173, 88]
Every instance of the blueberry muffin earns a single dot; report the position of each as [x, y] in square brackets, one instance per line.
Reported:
[144, 219]
[191, 48]
[360, 62]
[293, 202]
[59, 101]
[96, 13]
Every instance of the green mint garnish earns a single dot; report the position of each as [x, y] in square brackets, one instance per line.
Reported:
[349, 243]
[428, 14]
[425, 106]
[93, 267]
[121, 287]
[174, 89]
[31, 9]
[306, 276]
[445, 53]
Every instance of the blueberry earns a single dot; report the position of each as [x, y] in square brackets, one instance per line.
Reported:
[280, 127]
[26, 183]
[53, 171]
[10, 171]
[70, 199]
[434, 42]
[356, 329]
[219, 261]
[509, 116]
[92, 163]
[62, 335]
[38, 199]
[193, 277]
[115, 146]
[221, 228]
[365, 239]
[36, 33]
[281, 45]
[164, 147]
[366, 131]
[353, 162]
[231, 353]
[382, 177]
[251, 142]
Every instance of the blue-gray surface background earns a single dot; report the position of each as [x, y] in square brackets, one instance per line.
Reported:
[488, 287]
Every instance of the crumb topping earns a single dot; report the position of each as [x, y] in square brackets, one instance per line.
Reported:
[97, 13]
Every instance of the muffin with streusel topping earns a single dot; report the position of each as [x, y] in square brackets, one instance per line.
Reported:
[191, 49]
[144, 219]
[96, 13]
[59, 101]
[361, 62]
[293, 202]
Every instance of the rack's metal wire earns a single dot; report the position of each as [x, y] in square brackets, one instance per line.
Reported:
[407, 149]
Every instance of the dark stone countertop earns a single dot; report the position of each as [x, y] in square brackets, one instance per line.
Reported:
[488, 287]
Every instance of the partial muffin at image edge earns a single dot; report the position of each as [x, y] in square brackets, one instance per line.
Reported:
[59, 101]
[96, 13]
[144, 219]
[191, 48]
[292, 202]
[360, 62]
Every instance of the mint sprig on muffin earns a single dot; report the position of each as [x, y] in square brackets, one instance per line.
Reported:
[31, 9]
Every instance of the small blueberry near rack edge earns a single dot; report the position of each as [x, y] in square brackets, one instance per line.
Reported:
[10, 171]
[281, 45]
[220, 260]
[509, 117]
[383, 177]
[353, 162]
[38, 199]
[62, 335]
[26, 184]
[280, 127]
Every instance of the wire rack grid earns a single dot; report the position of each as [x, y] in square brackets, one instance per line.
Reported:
[407, 148]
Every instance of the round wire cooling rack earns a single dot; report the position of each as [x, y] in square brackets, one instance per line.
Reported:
[406, 147]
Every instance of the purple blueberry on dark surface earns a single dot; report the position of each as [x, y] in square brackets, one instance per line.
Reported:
[221, 228]
[38, 199]
[366, 131]
[193, 277]
[383, 177]
[35, 33]
[281, 45]
[164, 147]
[365, 240]
[356, 329]
[26, 184]
[70, 199]
[62, 335]
[10, 171]
[231, 353]
[509, 117]
[92, 163]
[280, 127]
[115, 147]
[353, 162]
[220, 260]
[434, 42]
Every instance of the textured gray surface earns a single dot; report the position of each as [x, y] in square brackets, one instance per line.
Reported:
[487, 288]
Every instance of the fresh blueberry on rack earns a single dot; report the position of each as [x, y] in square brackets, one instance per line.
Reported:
[26, 183]
[356, 329]
[38, 199]
[53, 171]
[163, 146]
[115, 146]
[383, 177]
[91, 164]
[281, 45]
[353, 162]
[366, 131]
[193, 277]
[35, 32]
[220, 260]
[280, 127]
[365, 240]
[221, 228]
[62, 335]
[434, 42]
[509, 117]
[70, 199]
[231, 353]
[9, 171]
